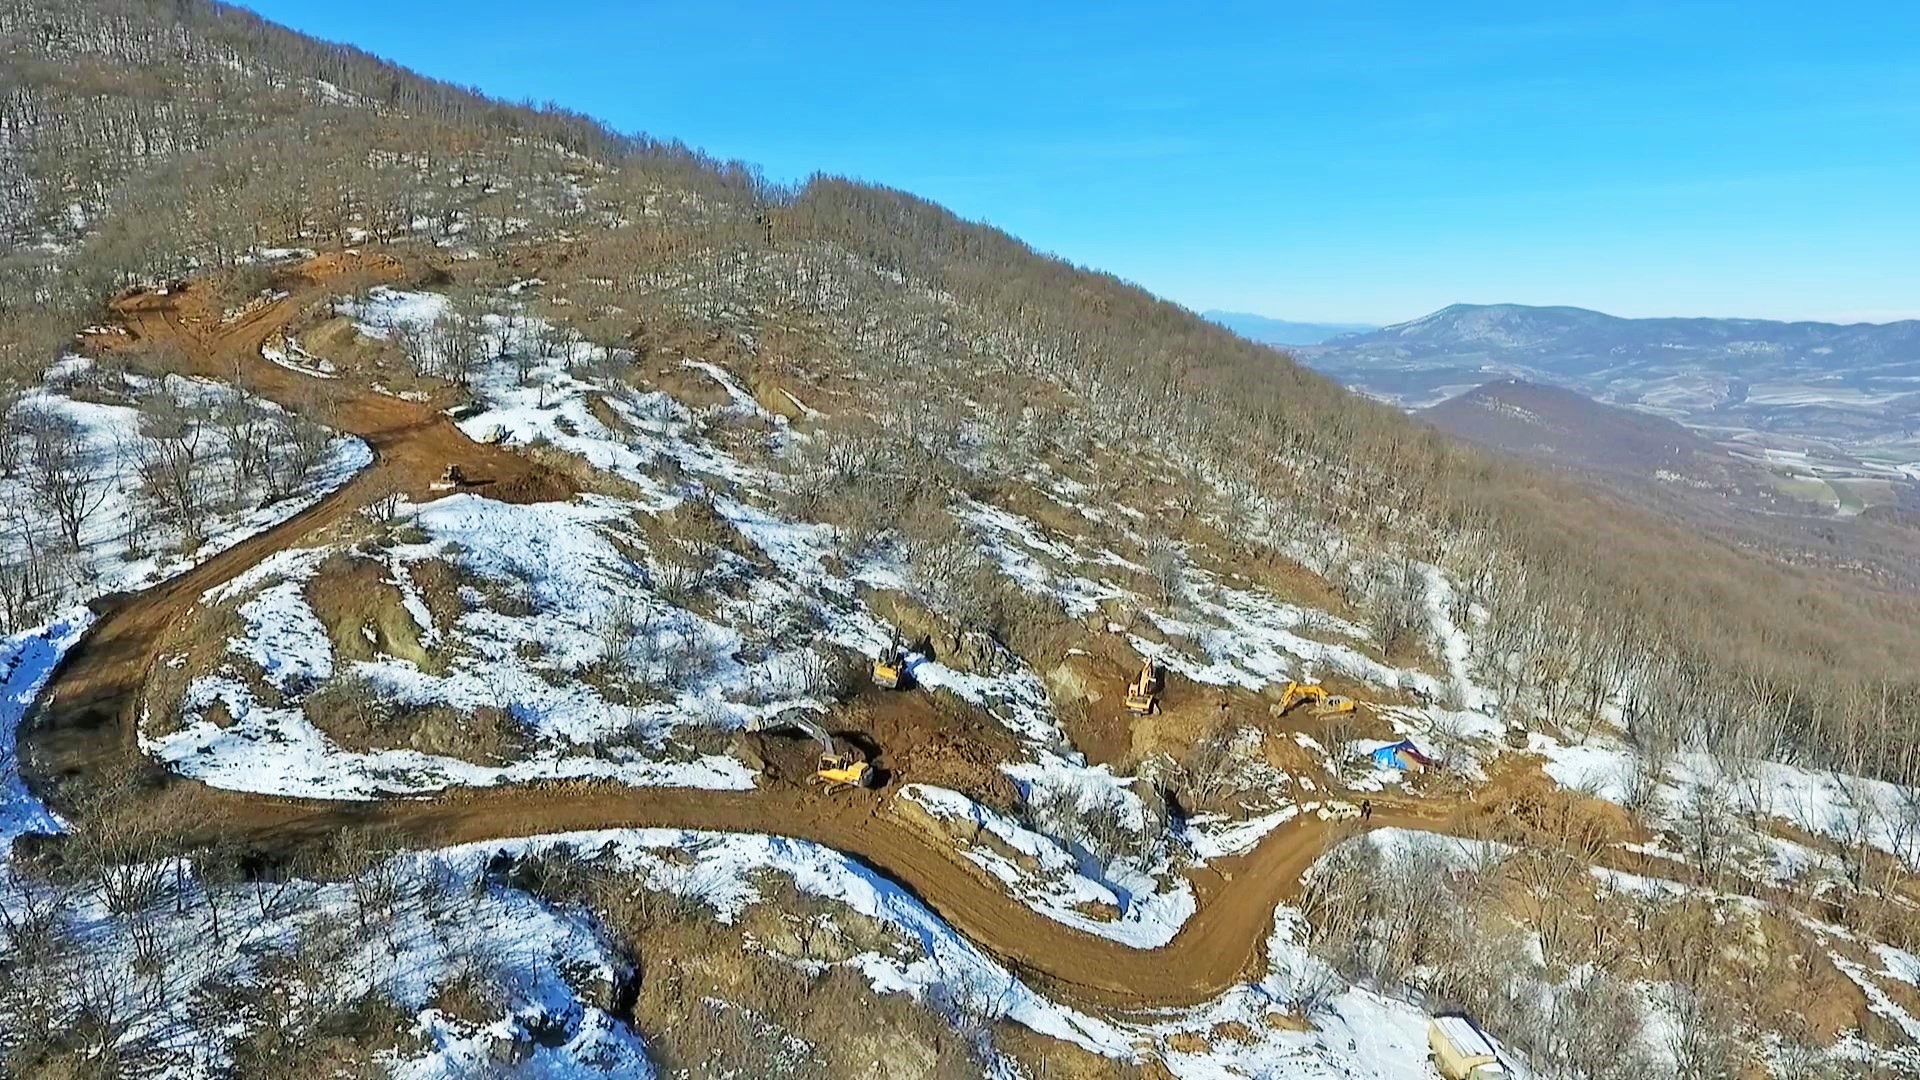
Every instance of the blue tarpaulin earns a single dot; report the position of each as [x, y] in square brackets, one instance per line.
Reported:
[1401, 755]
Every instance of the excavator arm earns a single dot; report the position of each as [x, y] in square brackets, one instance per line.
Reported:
[1143, 694]
[1325, 704]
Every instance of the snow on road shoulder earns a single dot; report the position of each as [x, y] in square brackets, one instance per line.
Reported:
[28, 660]
[289, 354]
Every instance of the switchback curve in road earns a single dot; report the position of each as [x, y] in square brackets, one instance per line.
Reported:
[87, 720]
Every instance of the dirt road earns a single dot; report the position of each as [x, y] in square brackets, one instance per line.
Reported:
[87, 718]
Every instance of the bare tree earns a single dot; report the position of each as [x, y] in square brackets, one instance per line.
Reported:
[172, 455]
[67, 479]
[247, 438]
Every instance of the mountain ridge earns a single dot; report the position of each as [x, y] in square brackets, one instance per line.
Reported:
[1461, 317]
[1848, 387]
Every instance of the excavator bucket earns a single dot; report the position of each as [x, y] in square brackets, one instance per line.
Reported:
[1324, 704]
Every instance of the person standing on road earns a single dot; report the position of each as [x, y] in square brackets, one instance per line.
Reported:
[1366, 809]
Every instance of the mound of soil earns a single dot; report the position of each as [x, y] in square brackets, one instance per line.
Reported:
[364, 612]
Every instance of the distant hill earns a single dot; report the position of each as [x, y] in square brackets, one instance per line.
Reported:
[1567, 429]
[1784, 501]
[1856, 386]
[1280, 331]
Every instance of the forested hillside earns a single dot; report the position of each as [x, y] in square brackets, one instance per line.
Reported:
[298, 142]
[732, 440]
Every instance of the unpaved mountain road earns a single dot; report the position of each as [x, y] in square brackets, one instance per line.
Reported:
[90, 701]
[86, 721]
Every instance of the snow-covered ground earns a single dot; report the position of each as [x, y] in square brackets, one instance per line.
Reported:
[1069, 888]
[1847, 810]
[121, 549]
[124, 545]
[552, 968]
[437, 927]
[720, 658]
[563, 559]
[28, 660]
[289, 354]
[1359, 1034]
[543, 389]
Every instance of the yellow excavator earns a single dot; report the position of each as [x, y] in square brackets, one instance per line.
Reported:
[1324, 704]
[841, 764]
[843, 768]
[1143, 694]
[890, 666]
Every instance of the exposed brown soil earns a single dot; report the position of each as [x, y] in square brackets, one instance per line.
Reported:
[363, 611]
[87, 720]
[85, 716]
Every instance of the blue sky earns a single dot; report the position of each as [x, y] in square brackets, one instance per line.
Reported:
[1362, 162]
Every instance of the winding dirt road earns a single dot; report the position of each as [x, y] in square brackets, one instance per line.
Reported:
[87, 719]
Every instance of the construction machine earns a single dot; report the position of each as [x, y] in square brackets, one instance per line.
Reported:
[449, 480]
[841, 765]
[1143, 694]
[844, 768]
[890, 667]
[1324, 704]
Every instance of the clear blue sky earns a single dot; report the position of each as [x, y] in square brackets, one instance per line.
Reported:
[1324, 162]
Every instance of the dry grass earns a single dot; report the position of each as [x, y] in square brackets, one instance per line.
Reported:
[365, 615]
[353, 714]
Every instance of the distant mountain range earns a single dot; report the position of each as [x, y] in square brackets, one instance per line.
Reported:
[1782, 385]
[1280, 331]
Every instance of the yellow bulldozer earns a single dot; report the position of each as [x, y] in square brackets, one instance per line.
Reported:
[890, 667]
[844, 768]
[1143, 694]
[1324, 704]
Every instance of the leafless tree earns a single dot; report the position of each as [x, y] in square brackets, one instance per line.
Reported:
[68, 478]
[173, 456]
